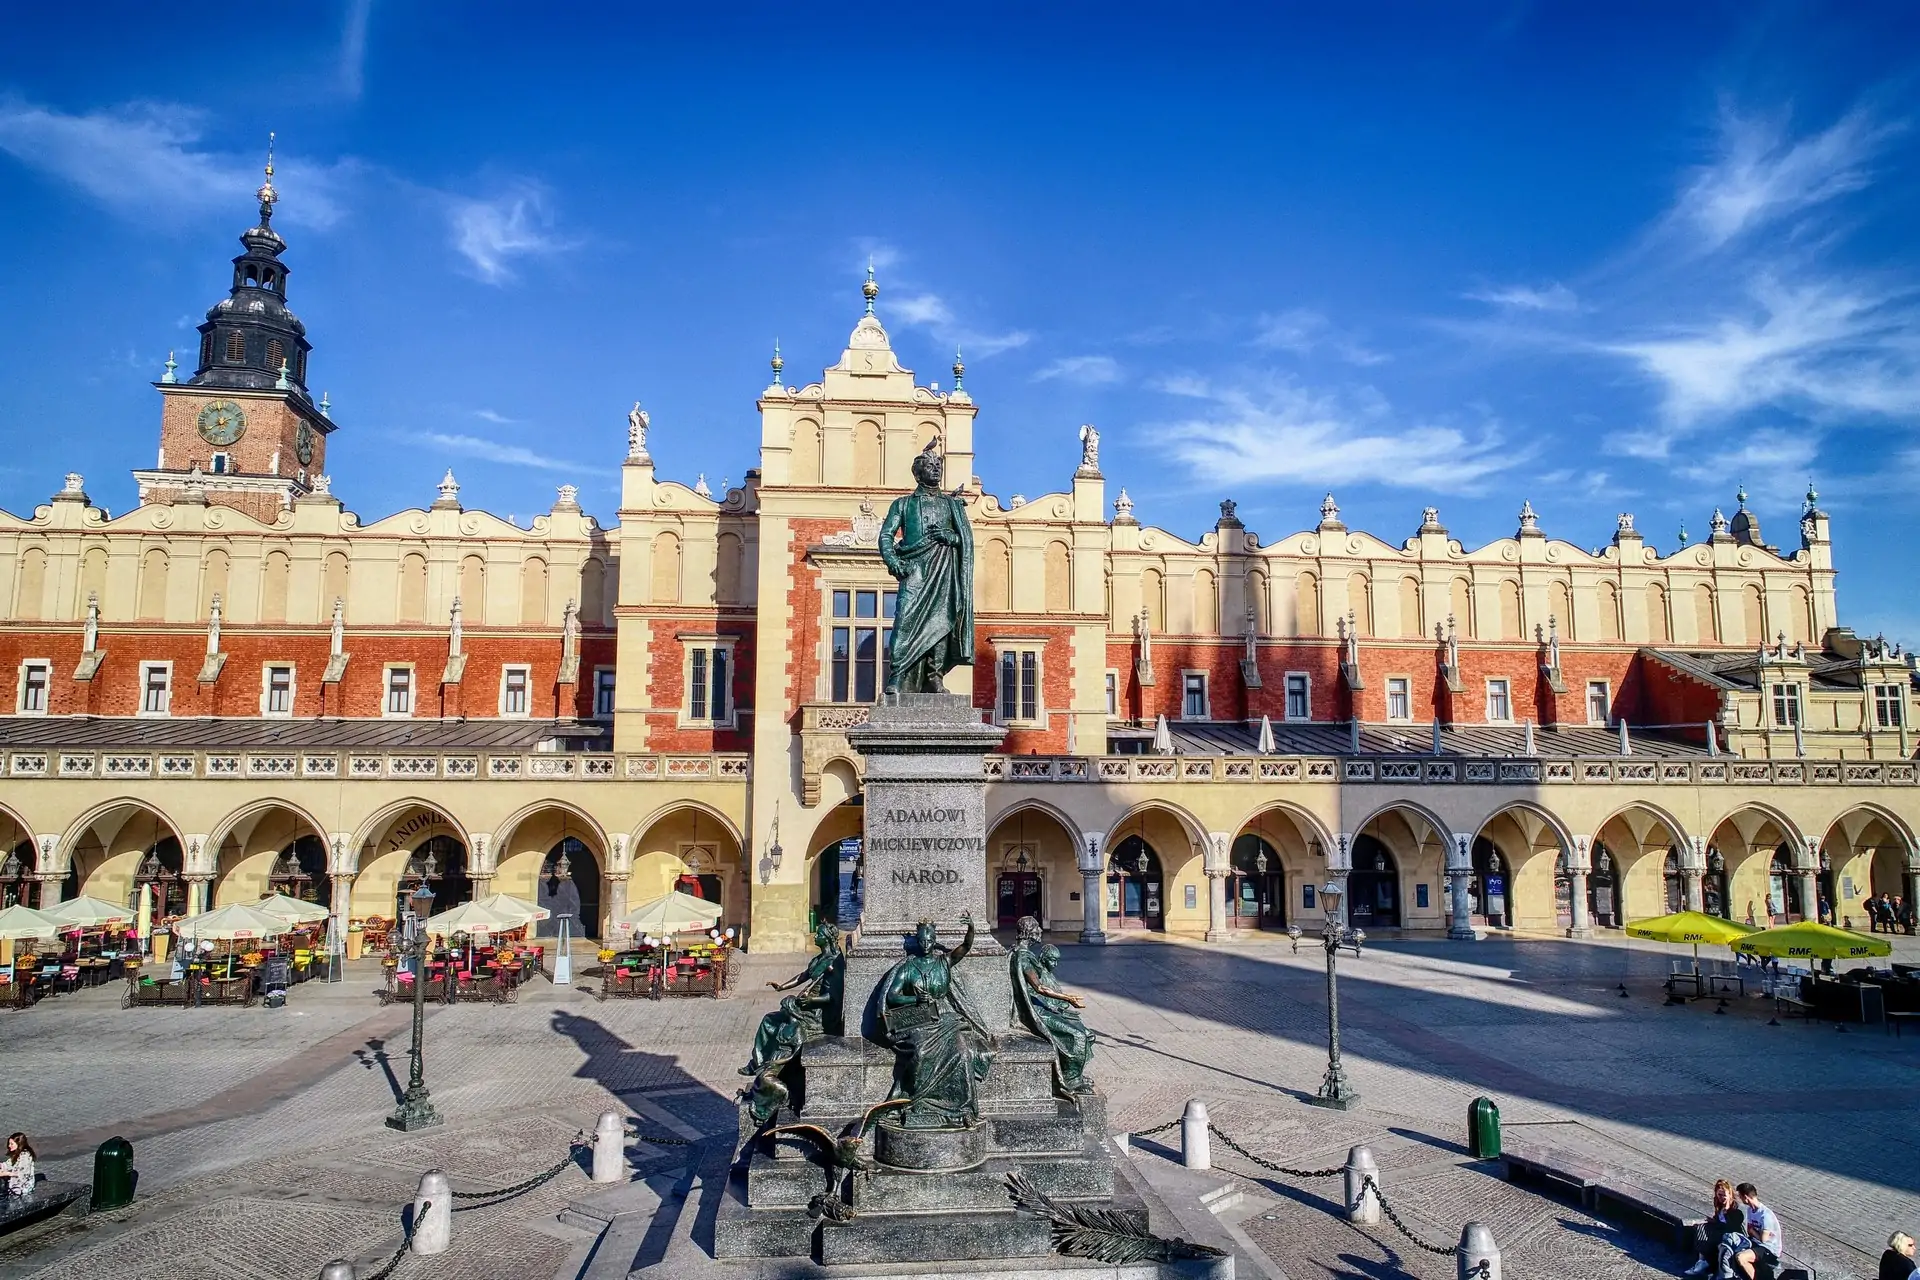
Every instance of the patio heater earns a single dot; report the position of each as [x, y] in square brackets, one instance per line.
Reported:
[1335, 1092]
[414, 1110]
[563, 943]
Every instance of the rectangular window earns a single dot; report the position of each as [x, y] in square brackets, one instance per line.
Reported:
[1399, 699]
[1420, 896]
[513, 690]
[1889, 702]
[1299, 701]
[1306, 896]
[1599, 702]
[603, 692]
[279, 699]
[1499, 701]
[1019, 682]
[399, 691]
[156, 689]
[1786, 705]
[34, 678]
[1113, 693]
[220, 464]
[1193, 685]
[709, 687]
[860, 660]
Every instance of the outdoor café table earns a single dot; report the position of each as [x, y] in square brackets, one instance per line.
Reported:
[1734, 980]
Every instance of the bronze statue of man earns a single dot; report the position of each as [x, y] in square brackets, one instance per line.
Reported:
[933, 559]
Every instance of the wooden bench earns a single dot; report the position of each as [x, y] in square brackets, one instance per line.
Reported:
[1795, 1005]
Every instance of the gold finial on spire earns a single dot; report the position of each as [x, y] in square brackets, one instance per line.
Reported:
[959, 371]
[267, 195]
[777, 362]
[870, 290]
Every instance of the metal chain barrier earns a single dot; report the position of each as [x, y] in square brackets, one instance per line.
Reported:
[387, 1269]
[1370, 1185]
[489, 1198]
[1159, 1128]
[1215, 1130]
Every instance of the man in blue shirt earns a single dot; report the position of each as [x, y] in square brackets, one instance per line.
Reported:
[1763, 1226]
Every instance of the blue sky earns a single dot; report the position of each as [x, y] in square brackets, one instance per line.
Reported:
[1619, 258]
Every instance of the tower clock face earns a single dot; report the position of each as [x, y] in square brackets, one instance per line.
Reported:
[222, 422]
[303, 443]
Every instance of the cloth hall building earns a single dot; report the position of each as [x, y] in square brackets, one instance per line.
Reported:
[240, 685]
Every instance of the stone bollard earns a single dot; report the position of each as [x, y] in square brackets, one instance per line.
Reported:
[1196, 1144]
[1363, 1202]
[432, 1214]
[1478, 1257]
[338, 1269]
[610, 1148]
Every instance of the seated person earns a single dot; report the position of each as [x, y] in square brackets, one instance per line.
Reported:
[1737, 1258]
[1707, 1236]
[1897, 1262]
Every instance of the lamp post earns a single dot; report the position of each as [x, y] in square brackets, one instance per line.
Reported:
[1334, 1092]
[414, 1111]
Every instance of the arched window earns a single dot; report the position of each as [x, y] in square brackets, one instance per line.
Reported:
[804, 467]
[1306, 605]
[1206, 604]
[996, 577]
[153, 584]
[1659, 629]
[1752, 619]
[866, 454]
[333, 580]
[1262, 607]
[1560, 607]
[666, 568]
[30, 599]
[1511, 622]
[413, 587]
[1607, 599]
[1706, 615]
[1058, 570]
[729, 568]
[473, 588]
[1410, 621]
[1153, 598]
[593, 591]
[276, 572]
[236, 347]
[1460, 600]
[533, 591]
[213, 582]
[1800, 617]
[93, 579]
[1360, 603]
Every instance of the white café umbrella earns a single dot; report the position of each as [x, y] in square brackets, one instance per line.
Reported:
[291, 910]
[1162, 739]
[489, 914]
[143, 914]
[89, 913]
[22, 921]
[672, 913]
[1265, 745]
[237, 922]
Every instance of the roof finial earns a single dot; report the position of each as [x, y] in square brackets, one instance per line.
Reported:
[870, 290]
[1813, 496]
[777, 363]
[959, 371]
[283, 384]
[1740, 496]
[171, 366]
[266, 193]
[1683, 533]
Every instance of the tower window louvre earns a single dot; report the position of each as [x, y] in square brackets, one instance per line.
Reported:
[236, 347]
[275, 353]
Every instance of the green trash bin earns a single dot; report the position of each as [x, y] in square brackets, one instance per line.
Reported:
[1483, 1129]
[113, 1174]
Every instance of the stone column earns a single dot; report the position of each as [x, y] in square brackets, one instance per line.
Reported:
[197, 893]
[613, 901]
[1911, 877]
[1092, 857]
[1693, 867]
[1580, 921]
[1809, 892]
[342, 908]
[52, 885]
[1215, 863]
[1459, 871]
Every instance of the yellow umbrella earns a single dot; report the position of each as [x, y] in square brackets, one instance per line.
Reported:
[1810, 940]
[1689, 927]
[672, 913]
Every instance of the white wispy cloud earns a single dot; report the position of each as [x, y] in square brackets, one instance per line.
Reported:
[1773, 464]
[489, 415]
[1761, 175]
[149, 159]
[1287, 433]
[353, 47]
[493, 233]
[1819, 346]
[927, 309]
[511, 455]
[1304, 332]
[1522, 297]
[1087, 371]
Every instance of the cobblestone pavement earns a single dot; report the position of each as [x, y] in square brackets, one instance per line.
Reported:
[260, 1142]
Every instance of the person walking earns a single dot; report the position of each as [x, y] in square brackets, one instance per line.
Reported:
[1897, 1262]
[17, 1168]
[1763, 1227]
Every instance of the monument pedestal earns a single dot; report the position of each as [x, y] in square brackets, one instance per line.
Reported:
[933, 1194]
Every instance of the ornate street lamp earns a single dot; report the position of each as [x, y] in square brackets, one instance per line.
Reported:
[415, 1111]
[1334, 1092]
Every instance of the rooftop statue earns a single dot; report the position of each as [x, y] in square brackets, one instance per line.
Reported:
[933, 560]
